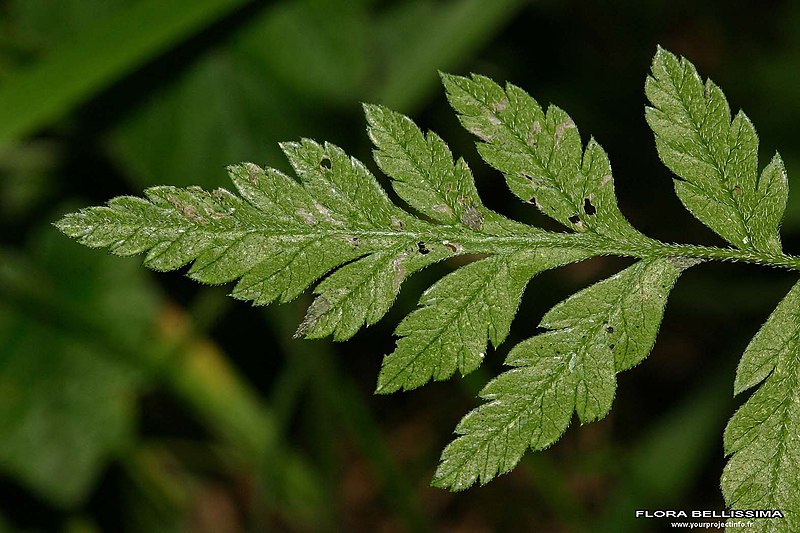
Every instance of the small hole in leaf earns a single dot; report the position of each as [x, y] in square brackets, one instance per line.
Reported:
[611, 346]
[610, 329]
[422, 248]
[574, 219]
[325, 163]
[588, 208]
[532, 201]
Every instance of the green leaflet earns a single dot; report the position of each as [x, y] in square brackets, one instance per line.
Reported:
[422, 169]
[715, 158]
[762, 437]
[460, 314]
[594, 334]
[540, 155]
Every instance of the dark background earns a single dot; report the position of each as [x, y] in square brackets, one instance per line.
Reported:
[135, 401]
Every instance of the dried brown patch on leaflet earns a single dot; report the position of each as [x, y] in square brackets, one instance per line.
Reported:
[472, 218]
[482, 135]
[253, 172]
[216, 215]
[326, 214]
[453, 247]
[399, 270]
[500, 105]
[533, 132]
[307, 217]
[188, 211]
[561, 128]
[444, 209]
[220, 194]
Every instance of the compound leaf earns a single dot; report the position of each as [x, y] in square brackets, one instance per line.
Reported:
[762, 436]
[715, 158]
[592, 335]
[280, 235]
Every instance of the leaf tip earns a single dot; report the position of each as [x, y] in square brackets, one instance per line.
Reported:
[383, 388]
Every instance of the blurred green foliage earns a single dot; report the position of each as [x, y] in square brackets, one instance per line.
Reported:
[131, 401]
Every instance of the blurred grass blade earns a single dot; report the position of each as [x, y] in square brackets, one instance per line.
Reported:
[42, 93]
[668, 459]
[346, 404]
[437, 41]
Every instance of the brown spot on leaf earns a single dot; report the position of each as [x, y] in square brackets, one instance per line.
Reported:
[455, 248]
[533, 132]
[188, 211]
[326, 214]
[307, 217]
[737, 190]
[399, 271]
[481, 134]
[220, 194]
[561, 128]
[500, 106]
[472, 218]
[444, 209]
[215, 214]
[253, 172]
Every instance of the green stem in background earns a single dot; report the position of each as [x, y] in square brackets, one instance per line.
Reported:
[72, 74]
[317, 360]
[686, 435]
[201, 376]
[462, 28]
